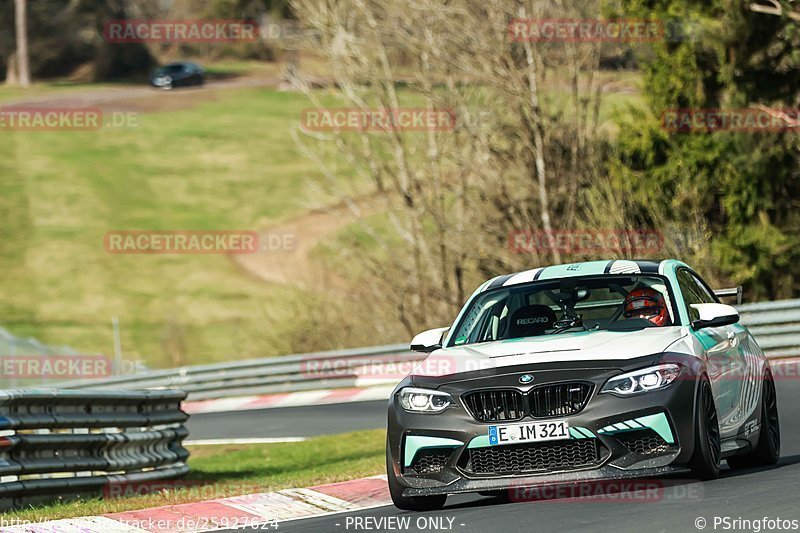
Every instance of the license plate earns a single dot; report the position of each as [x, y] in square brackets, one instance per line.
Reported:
[530, 432]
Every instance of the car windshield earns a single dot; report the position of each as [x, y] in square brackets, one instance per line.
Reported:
[169, 69]
[619, 303]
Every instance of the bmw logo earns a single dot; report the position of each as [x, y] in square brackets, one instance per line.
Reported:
[525, 378]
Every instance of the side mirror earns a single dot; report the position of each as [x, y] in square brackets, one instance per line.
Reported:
[714, 315]
[428, 341]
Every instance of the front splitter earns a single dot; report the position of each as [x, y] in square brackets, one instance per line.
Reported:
[466, 485]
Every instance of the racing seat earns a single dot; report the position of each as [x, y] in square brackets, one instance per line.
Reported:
[531, 320]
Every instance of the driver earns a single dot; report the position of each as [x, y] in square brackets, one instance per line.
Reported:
[646, 303]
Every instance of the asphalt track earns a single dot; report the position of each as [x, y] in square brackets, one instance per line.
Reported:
[289, 421]
[683, 505]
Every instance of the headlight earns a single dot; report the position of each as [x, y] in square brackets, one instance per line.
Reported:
[647, 379]
[424, 400]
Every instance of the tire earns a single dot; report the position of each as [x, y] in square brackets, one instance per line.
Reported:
[768, 448]
[410, 503]
[705, 460]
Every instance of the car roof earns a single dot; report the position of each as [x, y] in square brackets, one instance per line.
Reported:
[587, 268]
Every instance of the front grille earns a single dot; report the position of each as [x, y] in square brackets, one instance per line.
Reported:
[495, 405]
[643, 442]
[559, 400]
[532, 457]
[429, 461]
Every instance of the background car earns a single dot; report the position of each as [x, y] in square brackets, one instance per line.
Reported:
[177, 75]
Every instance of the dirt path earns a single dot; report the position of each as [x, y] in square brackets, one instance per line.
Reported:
[294, 265]
[140, 98]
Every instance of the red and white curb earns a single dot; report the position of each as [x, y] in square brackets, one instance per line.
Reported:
[290, 399]
[229, 513]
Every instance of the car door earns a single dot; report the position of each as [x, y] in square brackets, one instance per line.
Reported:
[724, 359]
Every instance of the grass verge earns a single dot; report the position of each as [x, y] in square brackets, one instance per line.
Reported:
[223, 471]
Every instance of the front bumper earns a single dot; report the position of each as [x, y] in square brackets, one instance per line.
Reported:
[664, 419]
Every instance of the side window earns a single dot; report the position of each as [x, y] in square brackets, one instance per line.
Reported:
[694, 292]
[708, 296]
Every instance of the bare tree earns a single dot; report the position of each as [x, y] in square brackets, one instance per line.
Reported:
[21, 55]
[515, 158]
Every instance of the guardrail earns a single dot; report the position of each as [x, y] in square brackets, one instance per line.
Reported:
[13, 346]
[775, 325]
[290, 373]
[66, 443]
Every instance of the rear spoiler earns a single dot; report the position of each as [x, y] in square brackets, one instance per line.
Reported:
[730, 293]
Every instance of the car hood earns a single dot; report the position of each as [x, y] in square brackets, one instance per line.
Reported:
[589, 347]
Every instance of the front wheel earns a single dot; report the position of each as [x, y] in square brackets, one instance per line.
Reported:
[768, 449]
[707, 443]
[410, 503]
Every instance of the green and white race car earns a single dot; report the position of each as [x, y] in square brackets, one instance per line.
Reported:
[570, 373]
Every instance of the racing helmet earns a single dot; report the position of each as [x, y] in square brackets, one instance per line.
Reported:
[646, 303]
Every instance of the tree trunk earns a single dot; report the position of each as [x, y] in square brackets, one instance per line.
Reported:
[11, 70]
[23, 63]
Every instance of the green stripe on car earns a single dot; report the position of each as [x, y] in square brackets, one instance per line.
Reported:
[415, 443]
[657, 422]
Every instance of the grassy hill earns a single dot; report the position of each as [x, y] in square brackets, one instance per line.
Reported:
[225, 162]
